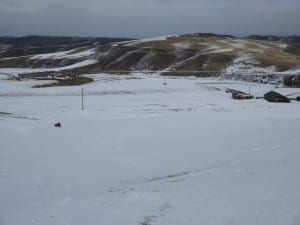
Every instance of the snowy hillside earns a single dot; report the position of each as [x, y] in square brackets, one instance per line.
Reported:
[213, 53]
[144, 153]
[178, 55]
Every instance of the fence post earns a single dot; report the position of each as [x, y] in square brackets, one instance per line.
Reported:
[82, 99]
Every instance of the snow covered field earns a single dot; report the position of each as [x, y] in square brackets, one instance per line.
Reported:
[145, 153]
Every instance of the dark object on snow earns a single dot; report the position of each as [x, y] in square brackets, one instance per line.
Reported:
[298, 98]
[238, 94]
[241, 96]
[57, 125]
[273, 96]
[292, 81]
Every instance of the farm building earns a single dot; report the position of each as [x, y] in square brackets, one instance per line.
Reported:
[273, 96]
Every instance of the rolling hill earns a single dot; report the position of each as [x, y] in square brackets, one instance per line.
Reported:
[176, 55]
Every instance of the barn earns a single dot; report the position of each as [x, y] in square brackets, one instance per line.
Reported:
[273, 96]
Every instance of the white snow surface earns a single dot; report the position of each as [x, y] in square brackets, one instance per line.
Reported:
[146, 153]
[134, 42]
[283, 45]
[182, 45]
[17, 71]
[71, 54]
[215, 48]
[221, 50]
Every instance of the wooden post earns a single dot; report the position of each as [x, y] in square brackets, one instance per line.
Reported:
[82, 99]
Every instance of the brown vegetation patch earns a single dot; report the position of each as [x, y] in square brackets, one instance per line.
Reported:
[72, 82]
[293, 49]
[211, 62]
[282, 62]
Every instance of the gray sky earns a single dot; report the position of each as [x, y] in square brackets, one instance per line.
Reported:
[138, 18]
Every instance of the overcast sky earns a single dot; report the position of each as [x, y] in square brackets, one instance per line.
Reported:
[148, 18]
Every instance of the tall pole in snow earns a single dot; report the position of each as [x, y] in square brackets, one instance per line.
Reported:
[82, 99]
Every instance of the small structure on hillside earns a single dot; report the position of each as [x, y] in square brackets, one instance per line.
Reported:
[273, 96]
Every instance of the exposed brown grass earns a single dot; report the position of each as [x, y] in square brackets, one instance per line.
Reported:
[294, 50]
[72, 82]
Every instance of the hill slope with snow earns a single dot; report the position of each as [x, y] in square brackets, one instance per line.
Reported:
[171, 53]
